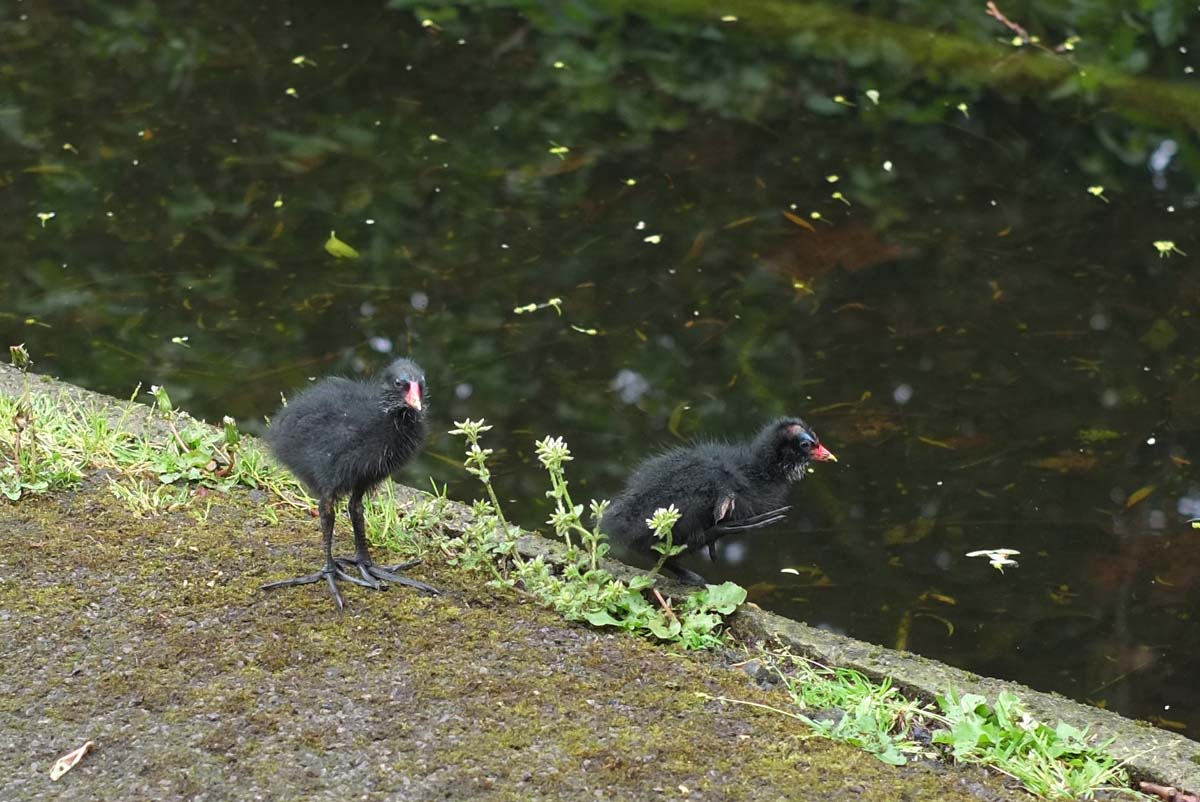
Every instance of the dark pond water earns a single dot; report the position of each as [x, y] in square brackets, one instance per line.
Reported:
[999, 357]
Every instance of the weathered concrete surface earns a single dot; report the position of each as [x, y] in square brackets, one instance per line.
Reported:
[203, 691]
[150, 637]
[1150, 753]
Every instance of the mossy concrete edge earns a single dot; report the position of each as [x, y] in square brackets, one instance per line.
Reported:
[1148, 752]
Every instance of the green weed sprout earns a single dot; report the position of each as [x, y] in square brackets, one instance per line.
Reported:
[1053, 762]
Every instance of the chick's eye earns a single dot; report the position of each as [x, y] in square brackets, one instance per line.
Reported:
[807, 440]
[399, 382]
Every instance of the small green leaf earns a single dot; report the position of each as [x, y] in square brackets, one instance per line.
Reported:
[726, 597]
[1093, 436]
[161, 399]
[338, 249]
[1160, 335]
[600, 618]
[663, 629]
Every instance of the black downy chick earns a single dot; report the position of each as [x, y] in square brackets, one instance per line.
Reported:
[342, 437]
[717, 487]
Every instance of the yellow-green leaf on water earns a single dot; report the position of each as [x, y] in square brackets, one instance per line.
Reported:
[929, 441]
[1068, 462]
[556, 303]
[798, 220]
[1166, 247]
[338, 249]
[1160, 335]
[933, 595]
[913, 532]
[802, 287]
[1092, 436]
[46, 169]
[1139, 495]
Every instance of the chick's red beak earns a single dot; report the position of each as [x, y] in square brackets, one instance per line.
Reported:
[413, 396]
[823, 454]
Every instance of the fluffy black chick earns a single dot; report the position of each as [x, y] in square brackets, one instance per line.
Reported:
[717, 487]
[341, 438]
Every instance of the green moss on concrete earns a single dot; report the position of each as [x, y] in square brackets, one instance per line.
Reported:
[150, 636]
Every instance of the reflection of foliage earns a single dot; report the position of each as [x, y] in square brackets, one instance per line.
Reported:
[195, 195]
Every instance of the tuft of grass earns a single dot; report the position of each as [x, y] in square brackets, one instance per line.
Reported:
[845, 705]
[404, 528]
[157, 470]
[581, 589]
[146, 498]
[72, 438]
[29, 466]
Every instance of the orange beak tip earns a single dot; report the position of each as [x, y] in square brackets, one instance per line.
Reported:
[823, 454]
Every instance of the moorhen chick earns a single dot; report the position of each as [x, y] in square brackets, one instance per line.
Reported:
[342, 437]
[717, 487]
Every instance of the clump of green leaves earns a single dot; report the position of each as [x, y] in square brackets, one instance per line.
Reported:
[1053, 762]
[581, 588]
[196, 452]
